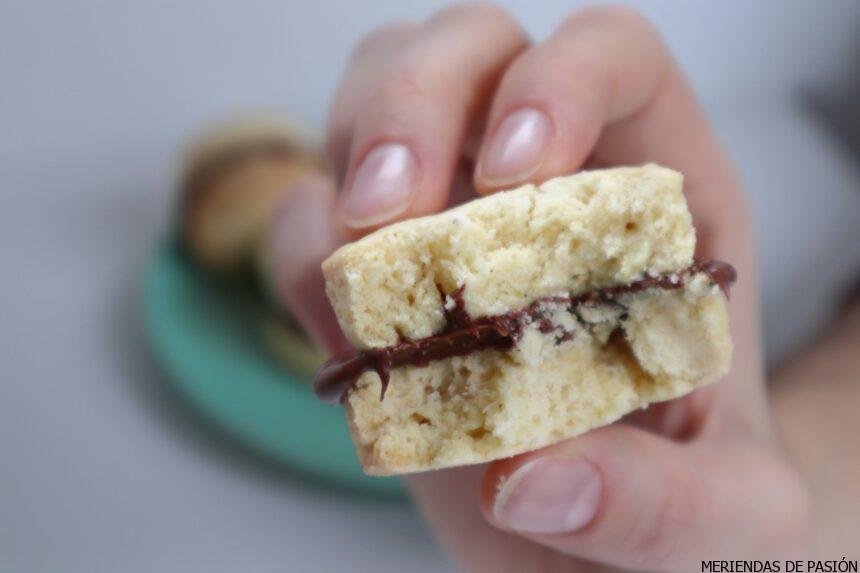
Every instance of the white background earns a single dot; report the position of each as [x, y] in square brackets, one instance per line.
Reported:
[101, 467]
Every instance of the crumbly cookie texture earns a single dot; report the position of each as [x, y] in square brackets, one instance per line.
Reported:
[570, 234]
[493, 404]
[567, 236]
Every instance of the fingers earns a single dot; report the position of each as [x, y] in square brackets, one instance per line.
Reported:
[446, 499]
[628, 498]
[602, 88]
[417, 98]
[600, 66]
[302, 235]
[367, 67]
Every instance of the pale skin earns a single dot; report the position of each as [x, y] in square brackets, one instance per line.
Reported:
[426, 113]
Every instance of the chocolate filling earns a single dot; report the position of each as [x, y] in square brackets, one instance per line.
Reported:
[463, 334]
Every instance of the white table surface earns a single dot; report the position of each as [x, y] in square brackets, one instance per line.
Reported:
[102, 468]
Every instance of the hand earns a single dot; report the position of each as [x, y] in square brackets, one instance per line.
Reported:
[422, 110]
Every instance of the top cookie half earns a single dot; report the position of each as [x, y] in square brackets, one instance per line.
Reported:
[566, 236]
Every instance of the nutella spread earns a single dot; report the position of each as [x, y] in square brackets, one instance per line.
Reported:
[463, 334]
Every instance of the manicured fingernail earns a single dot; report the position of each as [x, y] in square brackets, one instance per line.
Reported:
[382, 187]
[516, 149]
[549, 495]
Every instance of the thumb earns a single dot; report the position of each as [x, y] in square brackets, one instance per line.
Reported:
[622, 496]
[303, 233]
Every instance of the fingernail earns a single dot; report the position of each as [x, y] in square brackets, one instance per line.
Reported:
[516, 149]
[382, 187]
[549, 495]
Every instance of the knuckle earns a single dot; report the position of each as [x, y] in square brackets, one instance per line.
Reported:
[598, 29]
[485, 18]
[483, 12]
[616, 17]
[625, 16]
[382, 36]
[407, 82]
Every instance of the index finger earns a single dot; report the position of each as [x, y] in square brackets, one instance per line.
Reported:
[418, 102]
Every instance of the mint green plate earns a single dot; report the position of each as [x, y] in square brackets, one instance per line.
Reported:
[205, 337]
